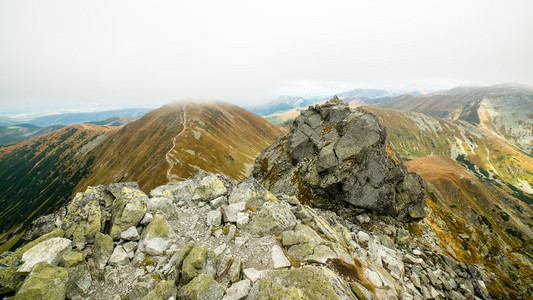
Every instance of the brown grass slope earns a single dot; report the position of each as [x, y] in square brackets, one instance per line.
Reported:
[477, 222]
[505, 110]
[169, 143]
[177, 140]
[39, 175]
[415, 135]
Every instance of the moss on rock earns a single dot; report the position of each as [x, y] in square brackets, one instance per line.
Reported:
[128, 210]
[44, 282]
[193, 263]
[305, 283]
[274, 218]
[202, 287]
[164, 290]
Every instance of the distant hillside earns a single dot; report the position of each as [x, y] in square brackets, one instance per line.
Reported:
[114, 121]
[505, 110]
[38, 175]
[416, 135]
[20, 132]
[282, 103]
[461, 199]
[478, 222]
[74, 118]
[169, 143]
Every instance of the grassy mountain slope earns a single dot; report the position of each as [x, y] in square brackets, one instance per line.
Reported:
[174, 141]
[416, 135]
[169, 143]
[505, 110]
[114, 121]
[38, 175]
[16, 133]
[477, 222]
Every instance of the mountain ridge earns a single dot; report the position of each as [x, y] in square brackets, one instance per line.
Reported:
[138, 151]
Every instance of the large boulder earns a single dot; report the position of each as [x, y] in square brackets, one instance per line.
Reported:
[9, 277]
[250, 192]
[83, 217]
[301, 283]
[128, 210]
[50, 251]
[164, 290]
[201, 186]
[203, 287]
[102, 250]
[44, 282]
[334, 156]
[273, 218]
[157, 236]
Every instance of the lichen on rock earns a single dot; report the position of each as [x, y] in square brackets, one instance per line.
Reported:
[128, 210]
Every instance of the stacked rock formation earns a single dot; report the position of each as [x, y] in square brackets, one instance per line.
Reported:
[335, 157]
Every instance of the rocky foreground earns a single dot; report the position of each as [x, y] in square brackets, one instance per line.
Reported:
[212, 238]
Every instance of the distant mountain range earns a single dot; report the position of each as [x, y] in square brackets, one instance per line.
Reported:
[14, 132]
[82, 117]
[505, 110]
[279, 104]
[39, 174]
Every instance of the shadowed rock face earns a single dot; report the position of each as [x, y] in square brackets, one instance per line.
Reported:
[334, 156]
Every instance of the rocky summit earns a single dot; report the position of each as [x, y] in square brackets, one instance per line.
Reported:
[209, 237]
[337, 158]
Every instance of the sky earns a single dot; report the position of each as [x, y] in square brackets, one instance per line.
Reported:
[148, 53]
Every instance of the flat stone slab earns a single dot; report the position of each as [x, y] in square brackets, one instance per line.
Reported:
[50, 251]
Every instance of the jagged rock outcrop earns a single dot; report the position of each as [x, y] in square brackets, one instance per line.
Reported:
[286, 250]
[334, 156]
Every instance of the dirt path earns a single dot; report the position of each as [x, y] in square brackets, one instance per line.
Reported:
[167, 156]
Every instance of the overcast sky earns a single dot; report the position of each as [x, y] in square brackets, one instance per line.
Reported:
[147, 53]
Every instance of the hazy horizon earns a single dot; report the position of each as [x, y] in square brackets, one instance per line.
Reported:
[64, 54]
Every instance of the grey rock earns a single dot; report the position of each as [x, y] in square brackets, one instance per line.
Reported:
[218, 202]
[102, 250]
[234, 272]
[343, 158]
[363, 237]
[214, 218]
[147, 219]
[410, 259]
[363, 218]
[250, 192]
[40, 226]
[50, 251]
[279, 260]
[79, 280]
[238, 290]
[130, 246]
[273, 218]
[251, 274]
[242, 219]
[142, 287]
[130, 234]
[119, 257]
[229, 212]
[202, 287]
[157, 236]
